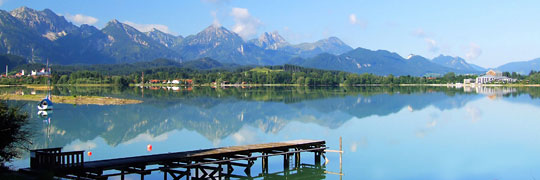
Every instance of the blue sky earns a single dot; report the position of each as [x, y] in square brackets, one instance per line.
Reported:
[487, 33]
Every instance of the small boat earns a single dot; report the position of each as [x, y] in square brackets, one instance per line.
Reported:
[45, 104]
[44, 113]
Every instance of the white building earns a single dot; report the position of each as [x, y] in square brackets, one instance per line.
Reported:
[491, 76]
[468, 81]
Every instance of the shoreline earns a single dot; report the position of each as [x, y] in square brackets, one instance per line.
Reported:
[44, 87]
[78, 100]
[340, 85]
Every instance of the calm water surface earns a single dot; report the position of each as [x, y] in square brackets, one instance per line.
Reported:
[388, 132]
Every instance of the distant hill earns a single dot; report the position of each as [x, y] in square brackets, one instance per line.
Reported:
[380, 62]
[457, 63]
[331, 45]
[120, 69]
[205, 64]
[521, 67]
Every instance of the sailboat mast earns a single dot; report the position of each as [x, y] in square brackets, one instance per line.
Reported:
[49, 74]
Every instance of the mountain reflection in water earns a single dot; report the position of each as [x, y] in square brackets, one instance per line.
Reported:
[218, 113]
[202, 117]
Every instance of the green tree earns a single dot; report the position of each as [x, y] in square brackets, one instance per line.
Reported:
[449, 77]
[13, 133]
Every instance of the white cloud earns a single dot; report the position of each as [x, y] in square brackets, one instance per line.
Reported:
[245, 25]
[147, 138]
[432, 45]
[474, 51]
[355, 21]
[2, 2]
[149, 27]
[419, 33]
[245, 136]
[474, 112]
[352, 19]
[354, 146]
[79, 146]
[216, 20]
[81, 19]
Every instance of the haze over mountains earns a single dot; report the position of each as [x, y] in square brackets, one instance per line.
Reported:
[41, 35]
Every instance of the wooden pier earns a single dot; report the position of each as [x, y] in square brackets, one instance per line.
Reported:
[215, 163]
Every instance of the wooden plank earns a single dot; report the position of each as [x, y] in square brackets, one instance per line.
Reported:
[203, 157]
[155, 159]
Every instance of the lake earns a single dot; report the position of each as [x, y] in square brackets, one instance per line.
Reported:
[388, 132]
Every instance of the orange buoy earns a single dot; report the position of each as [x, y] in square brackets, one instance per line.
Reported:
[89, 153]
[149, 147]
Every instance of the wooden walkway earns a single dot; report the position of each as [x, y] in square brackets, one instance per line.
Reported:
[206, 163]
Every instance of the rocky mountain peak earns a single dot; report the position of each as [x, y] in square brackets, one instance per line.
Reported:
[270, 40]
[46, 22]
[113, 22]
[333, 40]
[216, 35]
[455, 62]
[217, 31]
[332, 45]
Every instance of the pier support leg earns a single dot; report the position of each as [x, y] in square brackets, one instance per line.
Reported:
[297, 159]
[230, 169]
[286, 162]
[248, 167]
[220, 173]
[317, 158]
[165, 175]
[196, 172]
[265, 163]
[142, 174]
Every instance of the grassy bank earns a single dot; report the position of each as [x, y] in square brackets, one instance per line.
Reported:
[95, 100]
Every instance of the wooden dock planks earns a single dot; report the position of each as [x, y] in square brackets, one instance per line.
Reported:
[219, 156]
[158, 158]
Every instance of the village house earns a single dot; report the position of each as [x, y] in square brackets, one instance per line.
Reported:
[468, 81]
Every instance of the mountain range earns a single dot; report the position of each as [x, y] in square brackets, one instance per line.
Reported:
[521, 67]
[43, 35]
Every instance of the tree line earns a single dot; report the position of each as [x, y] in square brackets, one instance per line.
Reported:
[282, 74]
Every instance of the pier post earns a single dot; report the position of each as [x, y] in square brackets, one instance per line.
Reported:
[142, 172]
[286, 162]
[340, 159]
[196, 170]
[297, 159]
[317, 157]
[265, 163]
